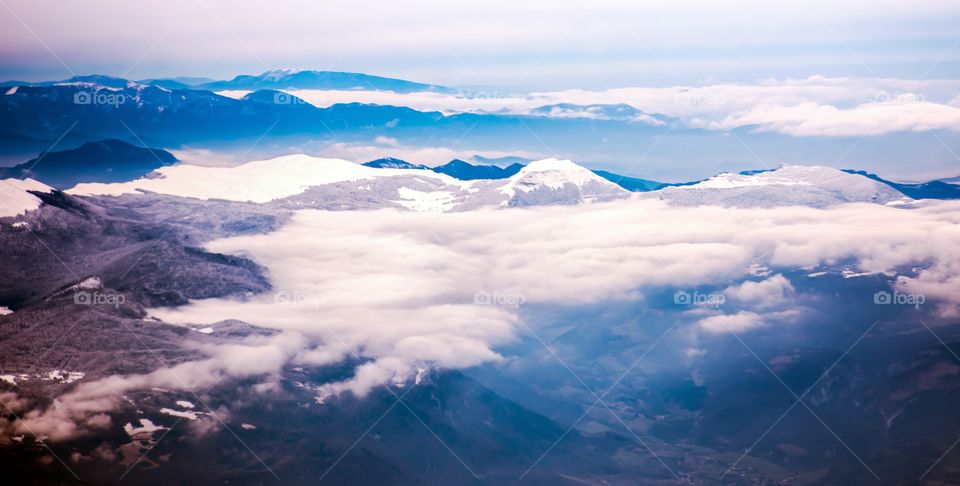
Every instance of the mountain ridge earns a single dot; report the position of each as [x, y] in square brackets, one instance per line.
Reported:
[106, 161]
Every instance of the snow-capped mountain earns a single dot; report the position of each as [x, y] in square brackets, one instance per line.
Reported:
[305, 181]
[15, 198]
[789, 185]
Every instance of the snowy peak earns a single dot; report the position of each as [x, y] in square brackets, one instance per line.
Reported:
[276, 74]
[554, 173]
[15, 198]
[788, 185]
[554, 181]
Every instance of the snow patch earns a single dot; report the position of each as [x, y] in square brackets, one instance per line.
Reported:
[425, 201]
[64, 376]
[14, 198]
[146, 428]
[88, 283]
[180, 413]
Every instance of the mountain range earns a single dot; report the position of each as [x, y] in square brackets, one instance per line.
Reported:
[115, 161]
[304, 181]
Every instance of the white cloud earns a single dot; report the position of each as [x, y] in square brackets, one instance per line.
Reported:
[813, 106]
[811, 119]
[739, 322]
[773, 291]
[388, 141]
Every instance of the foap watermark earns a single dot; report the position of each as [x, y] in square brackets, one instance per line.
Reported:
[302, 298]
[698, 99]
[682, 297]
[896, 298]
[98, 298]
[897, 98]
[281, 98]
[101, 97]
[497, 298]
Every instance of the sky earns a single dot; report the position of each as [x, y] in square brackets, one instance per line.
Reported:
[532, 45]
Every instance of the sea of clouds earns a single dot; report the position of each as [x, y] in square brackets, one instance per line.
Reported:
[402, 292]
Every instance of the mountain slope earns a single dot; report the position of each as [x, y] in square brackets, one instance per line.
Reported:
[103, 161]
[631, 184]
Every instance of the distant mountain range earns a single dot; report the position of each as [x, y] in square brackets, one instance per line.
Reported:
[466, 171]
[277, 79]
[330, 80]
[939, 189]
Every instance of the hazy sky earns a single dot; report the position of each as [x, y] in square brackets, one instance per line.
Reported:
[531, 44]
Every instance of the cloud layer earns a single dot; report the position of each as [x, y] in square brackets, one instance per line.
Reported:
[813, 106]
